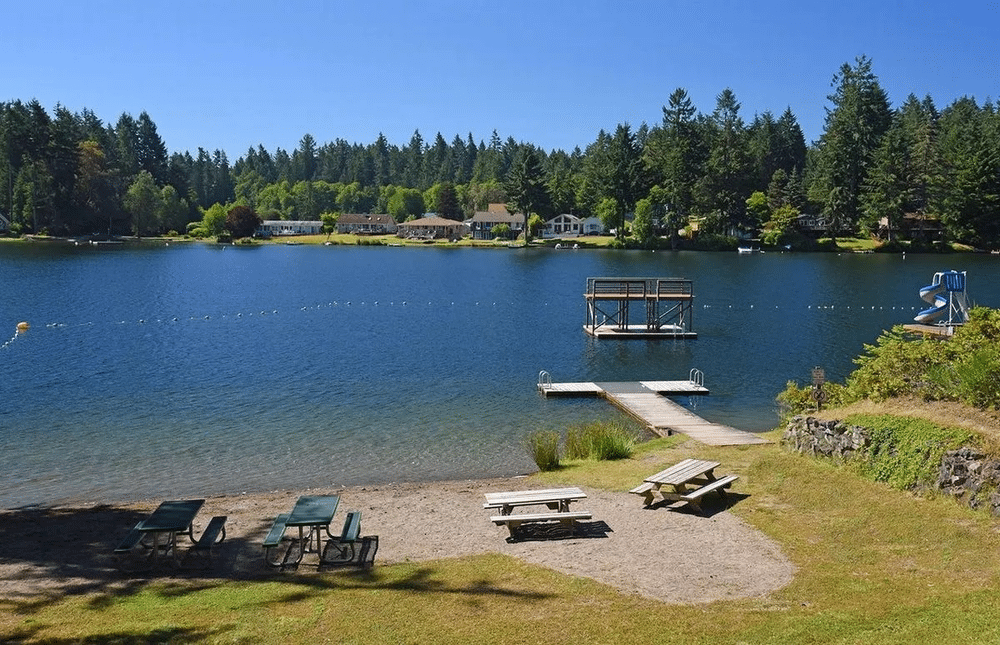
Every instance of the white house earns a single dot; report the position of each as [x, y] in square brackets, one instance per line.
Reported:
[567, 225]
[278, 227]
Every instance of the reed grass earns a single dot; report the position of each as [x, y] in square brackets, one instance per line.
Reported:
[544, 449]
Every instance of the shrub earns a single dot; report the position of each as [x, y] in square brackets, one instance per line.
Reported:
[601, 441]
[905, 452]
[544, 448]
[795, 400]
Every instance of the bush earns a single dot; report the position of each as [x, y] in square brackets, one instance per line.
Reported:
[905, 452]
[544, 448]
[795, 400]
[601, 441]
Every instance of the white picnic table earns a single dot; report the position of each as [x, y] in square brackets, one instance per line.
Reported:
[557, 500]
[685, 481]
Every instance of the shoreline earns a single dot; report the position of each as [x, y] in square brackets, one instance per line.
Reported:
[64, 549]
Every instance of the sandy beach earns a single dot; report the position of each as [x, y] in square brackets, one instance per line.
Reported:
[672, 555]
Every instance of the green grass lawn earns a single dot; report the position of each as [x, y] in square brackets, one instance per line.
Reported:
[875, 565]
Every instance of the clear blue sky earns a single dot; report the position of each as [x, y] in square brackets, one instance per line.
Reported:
[231, 75]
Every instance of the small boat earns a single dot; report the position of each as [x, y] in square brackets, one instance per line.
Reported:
[746, 249]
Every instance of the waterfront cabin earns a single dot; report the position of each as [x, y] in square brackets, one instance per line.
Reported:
[432, 228]
[366, 224]
[568, 225]
[482, 222]
[279, 227]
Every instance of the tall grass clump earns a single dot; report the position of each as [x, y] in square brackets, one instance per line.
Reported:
[600, 441]
[544, 448]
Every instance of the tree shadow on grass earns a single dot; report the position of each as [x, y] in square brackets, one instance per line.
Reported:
[50, 554]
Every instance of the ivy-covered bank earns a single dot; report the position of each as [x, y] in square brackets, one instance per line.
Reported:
[908, 454]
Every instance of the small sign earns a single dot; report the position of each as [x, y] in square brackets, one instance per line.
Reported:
[819, 376]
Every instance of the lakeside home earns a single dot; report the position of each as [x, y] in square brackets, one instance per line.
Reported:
[432, 228]
[482, 222]
[366, 224]
[278, 227]
[569, 225]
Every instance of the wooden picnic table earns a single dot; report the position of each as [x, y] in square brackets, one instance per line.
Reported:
[686, 481]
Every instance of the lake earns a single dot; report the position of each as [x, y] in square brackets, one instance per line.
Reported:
[194, 369]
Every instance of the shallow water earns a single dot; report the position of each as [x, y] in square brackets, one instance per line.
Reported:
[198, 369]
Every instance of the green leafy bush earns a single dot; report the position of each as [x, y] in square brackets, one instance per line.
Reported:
[544, 448]
[963, 368]
[905, 452]
[801, 400]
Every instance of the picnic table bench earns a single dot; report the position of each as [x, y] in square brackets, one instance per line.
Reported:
[557, 500]
[687, 481]
[344, 545]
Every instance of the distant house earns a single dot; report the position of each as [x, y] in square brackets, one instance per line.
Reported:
[366, 224]
[278, 227]
[914, 226]
[4, 224]
[567, 225]
[482, 222]
[810, 223]
[432, 228]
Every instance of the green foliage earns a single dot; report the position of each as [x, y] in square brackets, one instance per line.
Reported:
[963, 368]
[795, 400]
[642, 224]
[905, 452]
[544, 448]
[501, 231]
[601, 441]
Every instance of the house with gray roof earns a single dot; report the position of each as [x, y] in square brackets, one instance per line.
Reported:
[366, 224]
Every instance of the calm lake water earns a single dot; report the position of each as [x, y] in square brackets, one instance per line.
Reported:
[192, 370]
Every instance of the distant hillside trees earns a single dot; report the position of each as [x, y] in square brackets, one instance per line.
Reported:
[873, 169]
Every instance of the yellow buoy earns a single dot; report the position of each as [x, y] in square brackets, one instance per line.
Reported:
[23, 326]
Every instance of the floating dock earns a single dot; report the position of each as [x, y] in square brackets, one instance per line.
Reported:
[666, 306]
[644, 400]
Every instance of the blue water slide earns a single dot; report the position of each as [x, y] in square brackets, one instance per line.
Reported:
[933, 294]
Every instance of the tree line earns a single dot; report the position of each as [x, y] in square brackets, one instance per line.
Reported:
[69, 173]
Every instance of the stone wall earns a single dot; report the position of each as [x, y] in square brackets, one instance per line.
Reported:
[966, 474]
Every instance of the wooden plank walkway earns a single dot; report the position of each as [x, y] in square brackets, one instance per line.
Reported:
[644, 401]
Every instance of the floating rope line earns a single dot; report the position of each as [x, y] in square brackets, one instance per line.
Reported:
[20, 329]
[265, 312]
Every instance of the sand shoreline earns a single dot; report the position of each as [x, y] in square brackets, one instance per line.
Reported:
[670, 555]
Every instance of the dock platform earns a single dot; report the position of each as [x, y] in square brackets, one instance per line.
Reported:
[664, 304]
[645, 401]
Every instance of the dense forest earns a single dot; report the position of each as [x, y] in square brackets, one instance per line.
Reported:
[873, 167]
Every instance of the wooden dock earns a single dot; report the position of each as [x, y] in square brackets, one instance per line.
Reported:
[644, 400]
[664, 304]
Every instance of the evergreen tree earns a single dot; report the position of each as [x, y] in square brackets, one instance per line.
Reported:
[675, 154]
[727, 181]
[526, 189]
[150, 151]
[854, 129]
